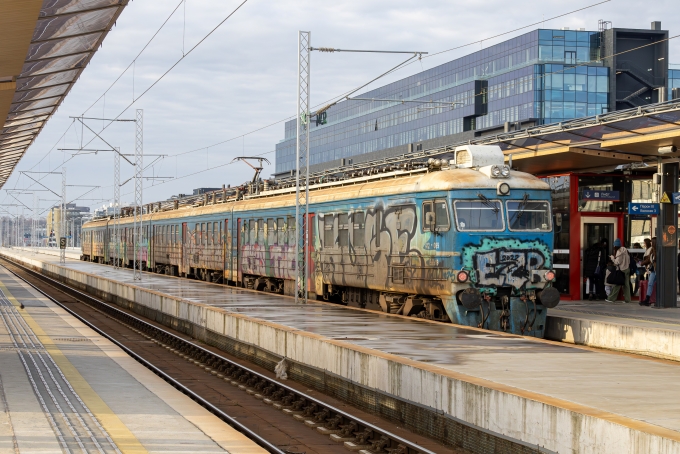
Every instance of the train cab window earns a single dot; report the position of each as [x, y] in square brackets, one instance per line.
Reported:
[271, 231]
[328, 237]
[479, 215]
[292, 240]
[343, 230]
[534, 215]
[435, 216]
[359, 226]
[281, 232]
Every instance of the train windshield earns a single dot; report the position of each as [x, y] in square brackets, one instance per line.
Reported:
[483, 214]
[534, 215]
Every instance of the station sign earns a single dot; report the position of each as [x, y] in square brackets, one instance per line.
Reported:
[62, 243]
[676, 198]
[612, 196]
[643, 208]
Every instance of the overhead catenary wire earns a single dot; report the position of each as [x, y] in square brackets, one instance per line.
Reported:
[330, 100]
[341, 96]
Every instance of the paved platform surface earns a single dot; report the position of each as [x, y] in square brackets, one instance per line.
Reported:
[64, 388]
[614, 387]
[628, 313]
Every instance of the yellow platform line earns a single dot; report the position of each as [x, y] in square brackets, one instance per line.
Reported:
[118, 431]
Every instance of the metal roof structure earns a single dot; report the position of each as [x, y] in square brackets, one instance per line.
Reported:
[44, 47]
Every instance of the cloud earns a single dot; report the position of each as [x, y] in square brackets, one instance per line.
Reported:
[244, 76]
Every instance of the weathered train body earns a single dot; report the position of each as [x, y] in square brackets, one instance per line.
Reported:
[468, 242]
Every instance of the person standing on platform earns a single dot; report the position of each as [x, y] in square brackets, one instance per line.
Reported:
[650, 262]
[621, 260]
[594, 262]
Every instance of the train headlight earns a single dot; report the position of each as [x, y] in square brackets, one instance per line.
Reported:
[505, 171]
[549, 276]
[503, 188]
[495, 171]
[462, 276]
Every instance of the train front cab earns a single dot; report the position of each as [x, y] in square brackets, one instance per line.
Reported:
[502, 243]
[503, 273]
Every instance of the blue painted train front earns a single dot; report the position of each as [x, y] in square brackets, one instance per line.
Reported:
[466, 241]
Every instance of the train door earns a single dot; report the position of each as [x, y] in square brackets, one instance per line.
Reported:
[183, 251]
[239, 247]
[227, 252]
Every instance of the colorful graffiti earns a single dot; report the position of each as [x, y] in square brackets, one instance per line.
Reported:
[505, 262]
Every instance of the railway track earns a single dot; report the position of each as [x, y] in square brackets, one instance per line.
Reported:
[280, 417]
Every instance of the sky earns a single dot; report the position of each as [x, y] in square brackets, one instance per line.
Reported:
[230, 96]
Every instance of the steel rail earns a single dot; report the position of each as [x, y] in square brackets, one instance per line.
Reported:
[411, 448]
[177, 385]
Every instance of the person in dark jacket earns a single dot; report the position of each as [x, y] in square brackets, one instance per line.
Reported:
[594, 262]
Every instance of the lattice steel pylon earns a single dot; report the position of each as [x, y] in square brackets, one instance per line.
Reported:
[139, 174]
[302, 169]
[62, 217]
[34, 223]
[116, 208]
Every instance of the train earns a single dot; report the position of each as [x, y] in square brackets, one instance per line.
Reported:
[462, 239]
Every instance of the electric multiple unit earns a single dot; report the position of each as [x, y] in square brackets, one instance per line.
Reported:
[466, 240]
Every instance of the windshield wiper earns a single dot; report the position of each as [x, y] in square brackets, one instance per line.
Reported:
[488, 203]
[522, 207]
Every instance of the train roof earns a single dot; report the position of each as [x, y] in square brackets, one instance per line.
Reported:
[384, 185]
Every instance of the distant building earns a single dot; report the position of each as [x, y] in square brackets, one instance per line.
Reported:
[540, 77]
[75, 216]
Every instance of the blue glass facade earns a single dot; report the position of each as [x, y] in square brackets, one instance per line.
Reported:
[673, 81]
[542, 76]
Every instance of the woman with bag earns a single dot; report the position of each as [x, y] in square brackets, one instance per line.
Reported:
[620, 277]
[650, 262]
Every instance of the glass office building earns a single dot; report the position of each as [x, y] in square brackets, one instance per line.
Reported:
[673, 81]
[541, 77]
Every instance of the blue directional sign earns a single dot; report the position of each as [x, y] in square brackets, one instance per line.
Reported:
[590, 194]
[676, 198]
[643, 208]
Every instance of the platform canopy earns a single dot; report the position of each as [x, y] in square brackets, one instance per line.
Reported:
[627, 137]
[44, 47]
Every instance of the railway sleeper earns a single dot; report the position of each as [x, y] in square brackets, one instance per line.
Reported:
[356, 437]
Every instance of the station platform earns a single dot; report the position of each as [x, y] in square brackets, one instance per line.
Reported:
[65, 388]
[71, 252]
[626, 327]
[554, 397]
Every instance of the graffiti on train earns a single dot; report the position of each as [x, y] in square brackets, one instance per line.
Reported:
[384, 248]
[262, 255]
[506, 262]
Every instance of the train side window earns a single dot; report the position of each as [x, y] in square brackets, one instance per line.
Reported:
[271, 231]
[215, 233]
[252, 231]
[428, 217]
[441, 215]
[343, 229]
[328, 237]
[281, 240]
[292, 240]
[436, 216]
[260, 231]
[359, 234]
